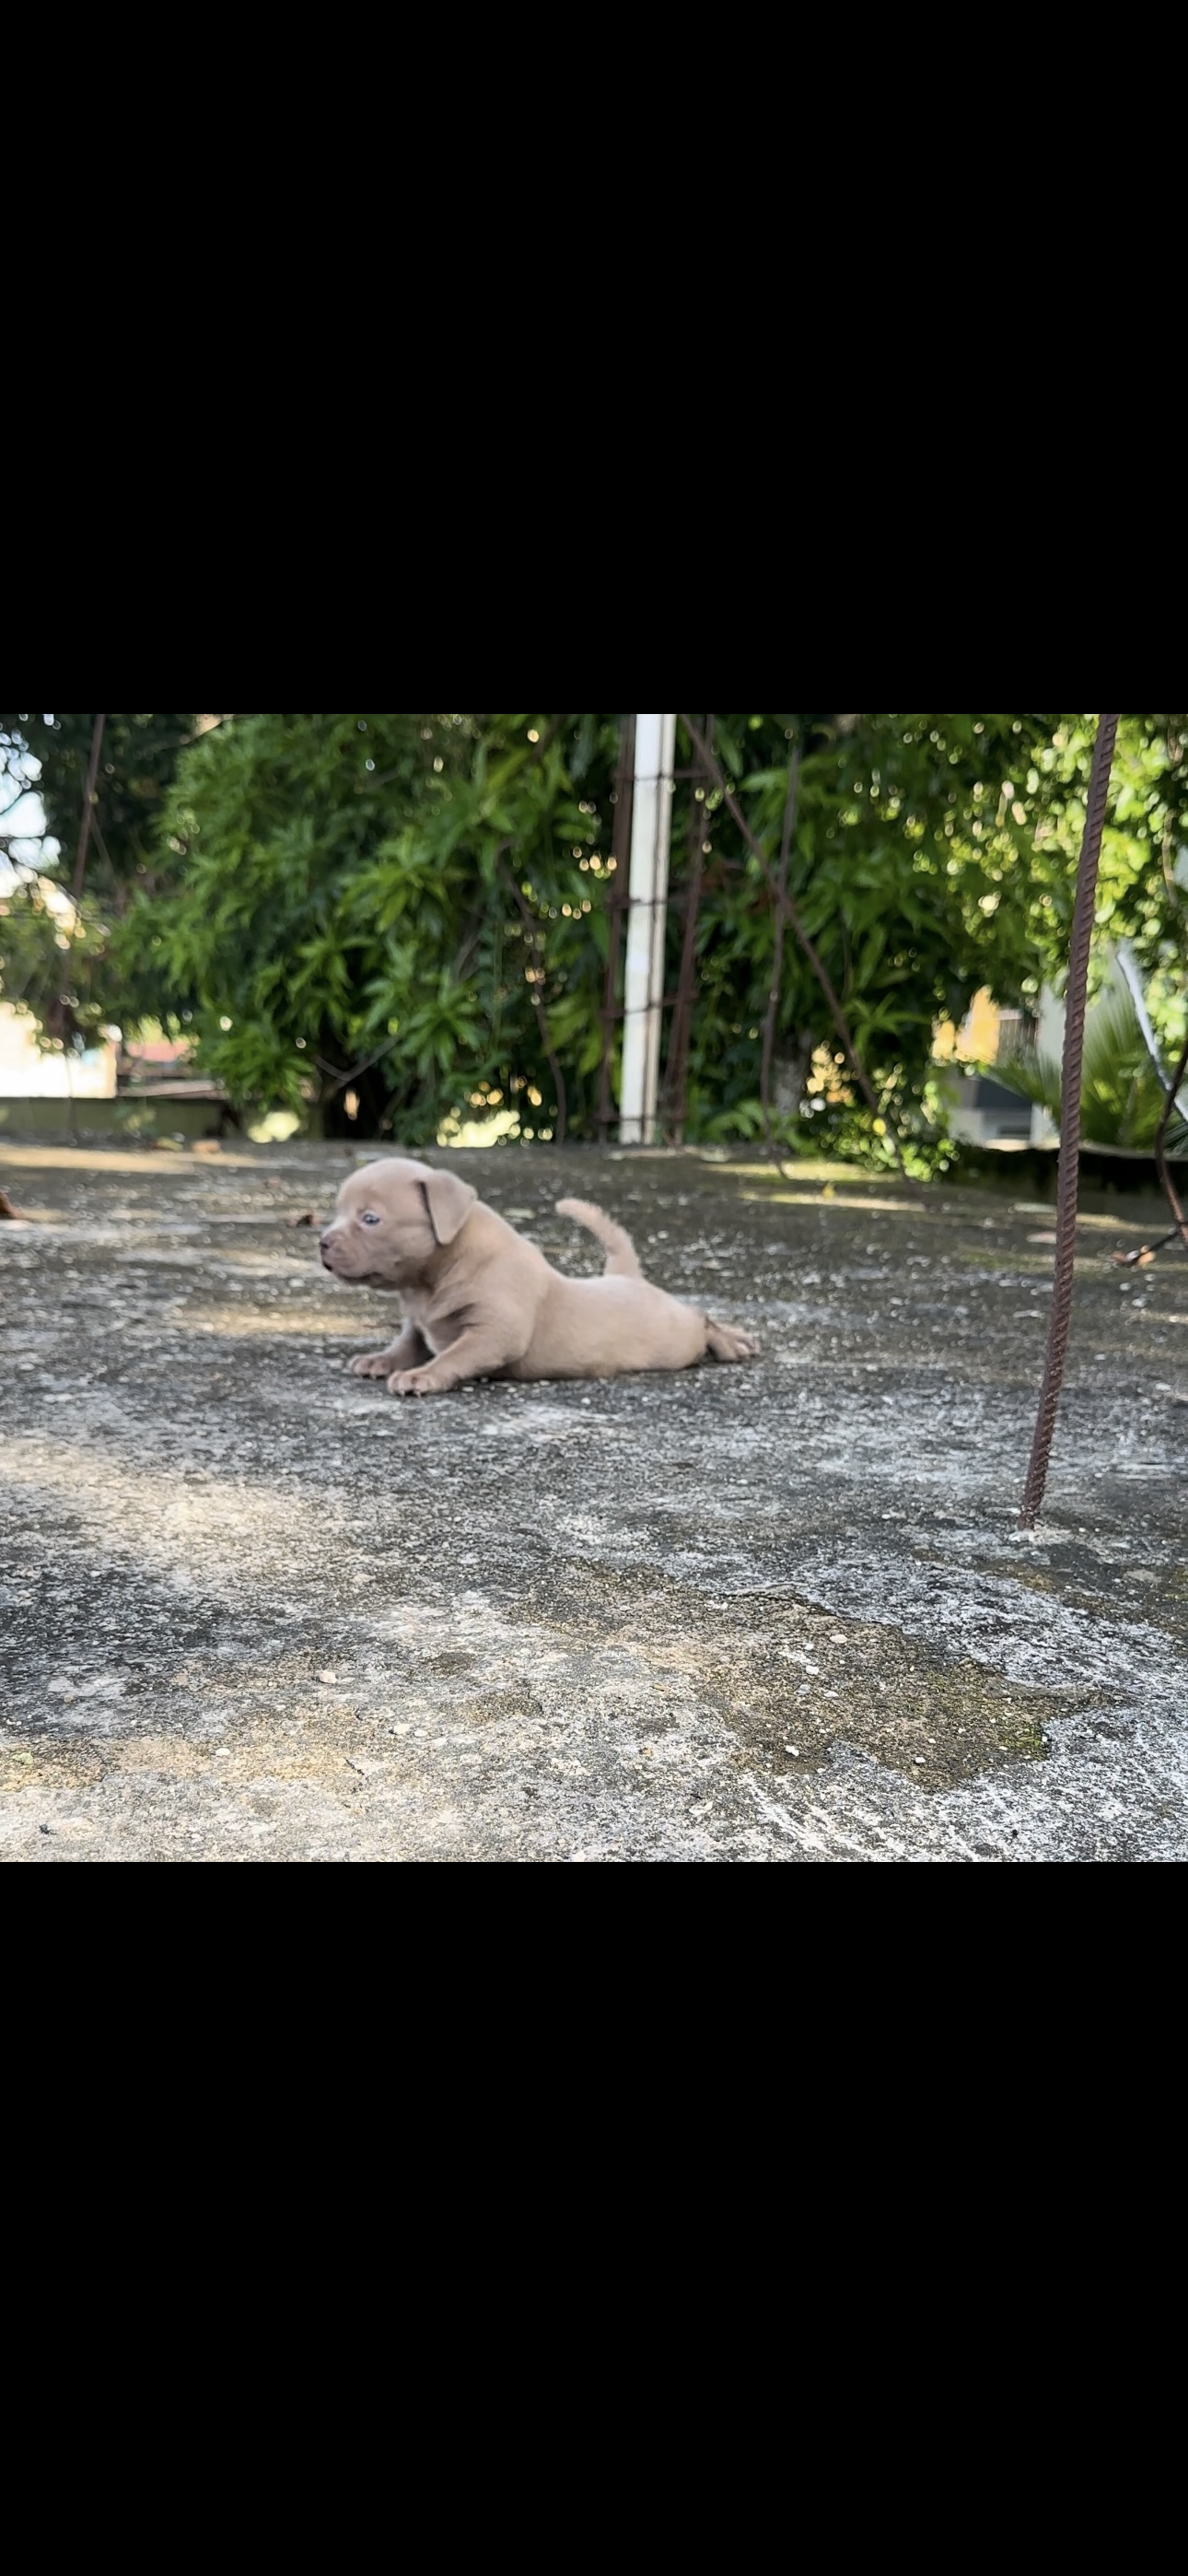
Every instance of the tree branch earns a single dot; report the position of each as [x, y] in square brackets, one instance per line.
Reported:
[88, 810]
[773, 999]
[789, 913]
[537, 995]
[364, 1066]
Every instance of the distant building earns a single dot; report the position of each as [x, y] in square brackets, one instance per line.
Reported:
[28, 1074]
[981, 1110]
[145, 1072]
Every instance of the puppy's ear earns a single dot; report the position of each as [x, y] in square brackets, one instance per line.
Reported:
[449, 1202]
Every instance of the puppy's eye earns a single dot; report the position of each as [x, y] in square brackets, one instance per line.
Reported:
[369, 1217]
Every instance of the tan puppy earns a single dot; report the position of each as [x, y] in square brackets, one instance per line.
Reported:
[481, 1302]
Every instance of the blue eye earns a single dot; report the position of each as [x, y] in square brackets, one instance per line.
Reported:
[369, 1217]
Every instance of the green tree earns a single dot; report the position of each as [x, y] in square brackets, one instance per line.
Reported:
[402, 908]
[412, 913]
[932, 854]
[54, 960]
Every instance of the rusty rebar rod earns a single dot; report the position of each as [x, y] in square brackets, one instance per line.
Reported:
[1070, 1119]
[1166, 1182]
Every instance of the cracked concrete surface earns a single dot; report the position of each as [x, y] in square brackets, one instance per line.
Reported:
[252, 1609]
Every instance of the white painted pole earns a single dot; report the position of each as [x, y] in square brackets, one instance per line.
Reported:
[643, 990]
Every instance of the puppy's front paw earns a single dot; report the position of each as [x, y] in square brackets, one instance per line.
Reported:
[415, 1382]
[369, 1364]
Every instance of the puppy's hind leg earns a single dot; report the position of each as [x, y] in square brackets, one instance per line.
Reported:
[724, 1343]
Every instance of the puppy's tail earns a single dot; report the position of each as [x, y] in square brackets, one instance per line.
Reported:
[621, 1260]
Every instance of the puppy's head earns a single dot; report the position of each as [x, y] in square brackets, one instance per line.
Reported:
[391, 1222]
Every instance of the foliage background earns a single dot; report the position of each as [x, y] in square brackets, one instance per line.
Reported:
[413, 911]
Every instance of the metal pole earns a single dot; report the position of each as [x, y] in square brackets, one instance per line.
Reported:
[1070, 1119]
[643, 996]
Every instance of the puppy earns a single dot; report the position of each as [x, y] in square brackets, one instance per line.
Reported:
[480, 1302]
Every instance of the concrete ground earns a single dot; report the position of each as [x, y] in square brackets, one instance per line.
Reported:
[253, 1609]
